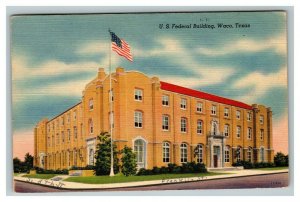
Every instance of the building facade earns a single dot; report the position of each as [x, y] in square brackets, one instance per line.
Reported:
[163, 123]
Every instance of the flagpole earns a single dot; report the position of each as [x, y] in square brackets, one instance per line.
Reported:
[110, 118]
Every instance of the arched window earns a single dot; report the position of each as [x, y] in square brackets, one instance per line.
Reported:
[91, 126]
[227, 154]
[140, 151]
[91, 156]
[214, 128]
[249, 154]
[183, 153]
[166, 152]
[199, 153]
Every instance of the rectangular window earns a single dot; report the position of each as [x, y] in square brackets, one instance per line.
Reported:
[91, 104]
[138, 119]
[199, 107]
[53, 141]
[261, 119]
[75, 115]
[165, 122]
[249, 133]
[238, 115]
[238, 131]
[62, 137]
[183, 103]
[261, 134]
[226, 159]
[226, 112]
[213, 109]
[138, 94]
[199, 127]
[183, 123]
[111, 119]
[69, 135]
[226, 130]
[62, 121]
[68, 118]
[249, 116]
[57, 138]
[49, 143]
[165, 100]
[75, 132]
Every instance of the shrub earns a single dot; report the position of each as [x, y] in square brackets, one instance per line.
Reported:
[128, 161]
[156, 170]
[164, 170]
[171, 167]
[281, 160]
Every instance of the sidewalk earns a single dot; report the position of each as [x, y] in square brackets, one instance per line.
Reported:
[57, 182]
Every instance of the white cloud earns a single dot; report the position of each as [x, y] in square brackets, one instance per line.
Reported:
[278, 43]
[94, 47]
[260, 83]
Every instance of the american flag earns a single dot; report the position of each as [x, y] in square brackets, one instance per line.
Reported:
[120, 46]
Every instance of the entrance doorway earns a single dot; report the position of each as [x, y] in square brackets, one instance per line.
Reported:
[216, 156]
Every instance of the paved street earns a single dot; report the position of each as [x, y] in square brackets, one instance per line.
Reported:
[262, 181]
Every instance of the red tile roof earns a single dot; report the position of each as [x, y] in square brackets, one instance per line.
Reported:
[202, 95]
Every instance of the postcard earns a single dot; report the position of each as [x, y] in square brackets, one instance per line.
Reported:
[149, 101]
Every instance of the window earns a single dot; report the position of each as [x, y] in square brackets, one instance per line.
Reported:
[226, 112]
[91, 104]
[261, 119]
[183, 103]
[49, 142]
[249, 116]
[57, 138]
[213, 109]
[261, 134]
[238, 154]
[199, 127]
[165, 122]
[249, 133]
[138, 94]
[166, 152]
[138, 119]
[81, 130]
[199, 107]
[238, 115]
[165, 100]
[199, 153]
[75, 115]
[75, 132]
[91, 126]
[227, 154]
[62, 121]
[183, 153]
[68, 118]
[238, 131]
[62, 136]
[262, 154]
[53, 141]
[69, 135]
[91, 157]
[183, 123]
[249, 154]
[214, 128]
[226, 130]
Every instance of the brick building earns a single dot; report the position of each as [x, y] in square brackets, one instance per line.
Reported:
[163, 123]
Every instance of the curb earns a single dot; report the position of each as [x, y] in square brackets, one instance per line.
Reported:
[154, 184]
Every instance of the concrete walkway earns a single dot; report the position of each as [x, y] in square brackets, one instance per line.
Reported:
[58, 182]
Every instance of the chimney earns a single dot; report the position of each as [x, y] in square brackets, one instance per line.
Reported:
[101, 74]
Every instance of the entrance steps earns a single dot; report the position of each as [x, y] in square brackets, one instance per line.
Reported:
[225, 169]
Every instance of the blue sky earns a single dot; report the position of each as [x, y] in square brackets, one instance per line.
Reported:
[53, 57]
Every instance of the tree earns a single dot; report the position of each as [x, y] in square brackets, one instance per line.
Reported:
[281, 160]
[103, 155]
[28, 162]
[17, 165]
[129, 166]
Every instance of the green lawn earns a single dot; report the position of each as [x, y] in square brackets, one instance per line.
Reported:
[121, 178]
[41, 176]
[273, 168]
